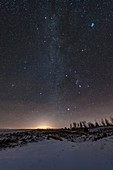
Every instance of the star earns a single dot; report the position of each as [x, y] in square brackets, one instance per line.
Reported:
[92, 24]
[75, 71]
[12, 85]
[79, 86]
[68, 109]
[25, 68]
[77, 81]
[83, 50]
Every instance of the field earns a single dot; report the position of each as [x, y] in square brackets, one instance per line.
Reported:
[13, 138]
[57, 149]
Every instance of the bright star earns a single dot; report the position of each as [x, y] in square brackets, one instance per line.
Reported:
[80, 86]
[92, 24]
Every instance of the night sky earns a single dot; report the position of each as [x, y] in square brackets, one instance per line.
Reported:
[56, 62]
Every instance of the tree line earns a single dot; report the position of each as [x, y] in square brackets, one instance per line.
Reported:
[84, 124]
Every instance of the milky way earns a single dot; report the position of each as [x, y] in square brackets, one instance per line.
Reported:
[56, 62]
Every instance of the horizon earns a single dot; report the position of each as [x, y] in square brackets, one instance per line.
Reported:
[46, 127]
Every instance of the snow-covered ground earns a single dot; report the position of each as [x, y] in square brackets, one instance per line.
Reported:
[59, 155]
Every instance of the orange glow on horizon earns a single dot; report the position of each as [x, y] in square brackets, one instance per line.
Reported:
[44, 127]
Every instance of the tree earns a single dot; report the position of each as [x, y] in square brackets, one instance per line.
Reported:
[70, 126]
[90, 124]
[81, 125]
[107, 122]
[103, 122]
[84, 124]
[74, 125]
[96, 124]
[111, 118]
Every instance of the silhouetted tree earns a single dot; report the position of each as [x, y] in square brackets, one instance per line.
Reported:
[111, 118]
[70, 126]
[74, 125]
[90, 124]
[84, 124]
[80, 124]
[103, 122]
[96, 124]
[107, 122]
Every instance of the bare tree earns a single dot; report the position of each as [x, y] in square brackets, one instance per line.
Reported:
[96, 124]
[107, 122]
[90, 124]
[74, 125]
[81, 126]
[70, 126]
[84, 124]
[103, 122]
[111, 118]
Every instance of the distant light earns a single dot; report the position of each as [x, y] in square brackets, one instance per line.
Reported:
[68, 109]
[44, 127]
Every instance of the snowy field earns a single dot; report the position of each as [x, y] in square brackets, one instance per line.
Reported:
[59, 155]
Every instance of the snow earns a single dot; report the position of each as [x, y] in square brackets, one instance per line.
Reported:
[59, 155]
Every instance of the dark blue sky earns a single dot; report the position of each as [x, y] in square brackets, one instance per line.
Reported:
[56, 62]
